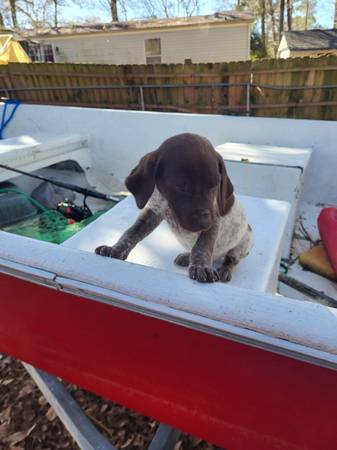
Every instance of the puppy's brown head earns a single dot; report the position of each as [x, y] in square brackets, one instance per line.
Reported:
[190, 175]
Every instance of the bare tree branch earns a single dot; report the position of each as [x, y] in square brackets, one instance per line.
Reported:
[190, 7]
[13, 7]
[306, 15]
[289, 13]
[263, 23]
[37, 12]
[124, 8]
[273, 26]
[281, 24]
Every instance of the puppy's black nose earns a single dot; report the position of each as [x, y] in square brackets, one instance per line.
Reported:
[202, 214]
[202, 219]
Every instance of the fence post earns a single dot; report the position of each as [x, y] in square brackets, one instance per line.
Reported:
[141, 92]
[248, 86]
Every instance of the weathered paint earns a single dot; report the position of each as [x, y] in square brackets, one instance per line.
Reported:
[233, 395]
[300, 329]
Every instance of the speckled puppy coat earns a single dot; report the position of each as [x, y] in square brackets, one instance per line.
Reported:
[185, 183]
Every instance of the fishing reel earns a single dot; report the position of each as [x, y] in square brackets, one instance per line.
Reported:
[71, 211]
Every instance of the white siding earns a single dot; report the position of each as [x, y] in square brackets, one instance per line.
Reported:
[204, 44]
[283, 49]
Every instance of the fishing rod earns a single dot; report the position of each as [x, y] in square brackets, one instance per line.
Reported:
[71, 187]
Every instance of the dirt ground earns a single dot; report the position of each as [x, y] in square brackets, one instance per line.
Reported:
[27, 422]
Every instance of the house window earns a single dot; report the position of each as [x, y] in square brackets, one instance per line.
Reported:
[38, 52]
[32, 49]
[152, 51]
[48, 53]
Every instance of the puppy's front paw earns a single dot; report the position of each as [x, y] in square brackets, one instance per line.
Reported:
[203, 274]
[182, 260]
[225, 271]
[111, 252]
[225, 274]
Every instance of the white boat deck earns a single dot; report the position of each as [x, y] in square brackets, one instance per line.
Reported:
[259, 271]
[268, 171]
[255, 170]
[37, 150]
[266, 154]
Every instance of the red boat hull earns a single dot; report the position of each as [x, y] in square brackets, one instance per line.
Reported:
[234, 395]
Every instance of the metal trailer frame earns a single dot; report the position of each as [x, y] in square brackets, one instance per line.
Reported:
[84, 433]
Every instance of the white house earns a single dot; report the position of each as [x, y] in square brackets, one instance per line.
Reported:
[307, 43]
[213, 38]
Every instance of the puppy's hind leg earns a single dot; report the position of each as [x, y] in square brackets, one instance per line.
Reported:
[183, 259]
[234, 256]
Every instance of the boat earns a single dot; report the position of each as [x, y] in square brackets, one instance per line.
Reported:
[246, 365]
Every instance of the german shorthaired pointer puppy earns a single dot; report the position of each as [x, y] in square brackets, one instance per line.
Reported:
[185, 182]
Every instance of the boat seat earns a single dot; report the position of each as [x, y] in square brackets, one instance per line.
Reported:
[268, 171]
[34, 151]
[259, 271]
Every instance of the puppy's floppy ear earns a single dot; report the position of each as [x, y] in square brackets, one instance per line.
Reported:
[225, 196]
[142, 179]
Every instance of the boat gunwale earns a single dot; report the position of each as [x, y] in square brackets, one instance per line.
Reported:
[312, 348]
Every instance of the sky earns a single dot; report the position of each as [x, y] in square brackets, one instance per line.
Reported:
[324, 14]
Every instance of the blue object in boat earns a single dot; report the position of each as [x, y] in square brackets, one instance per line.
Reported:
[5, 120]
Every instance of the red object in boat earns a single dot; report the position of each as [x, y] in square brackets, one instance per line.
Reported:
[327, 225]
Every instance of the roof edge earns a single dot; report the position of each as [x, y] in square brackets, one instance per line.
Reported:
[140, 25]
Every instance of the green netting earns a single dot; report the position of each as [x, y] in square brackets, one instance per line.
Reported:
[49, 225]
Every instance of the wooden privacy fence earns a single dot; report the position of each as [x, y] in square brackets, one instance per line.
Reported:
[298, 87]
